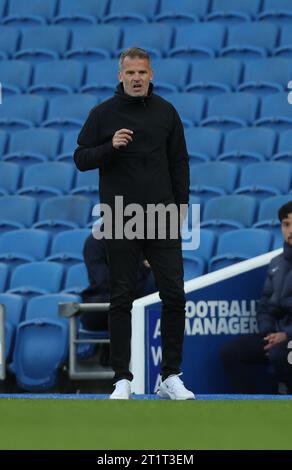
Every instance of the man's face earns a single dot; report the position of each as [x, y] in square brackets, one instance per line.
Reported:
[286, 226]
[135, 75]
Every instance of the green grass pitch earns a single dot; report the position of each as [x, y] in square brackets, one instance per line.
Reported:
[103, 424]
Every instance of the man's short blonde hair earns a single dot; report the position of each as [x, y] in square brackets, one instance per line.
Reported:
[133, 52]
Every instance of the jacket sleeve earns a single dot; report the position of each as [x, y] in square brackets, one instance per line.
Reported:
[91, 153]
[288, 329]
[178, 161]
[266, 319]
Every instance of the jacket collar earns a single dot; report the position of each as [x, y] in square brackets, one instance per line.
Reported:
[287, 251]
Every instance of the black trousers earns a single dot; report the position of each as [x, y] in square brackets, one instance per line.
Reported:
[241, 356]
[165, 258]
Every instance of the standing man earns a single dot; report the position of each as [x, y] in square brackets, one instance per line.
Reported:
[136, 140]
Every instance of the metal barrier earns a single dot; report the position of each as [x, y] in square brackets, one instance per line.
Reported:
[77, 370]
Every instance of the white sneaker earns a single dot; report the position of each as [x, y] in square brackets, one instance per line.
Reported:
[174, 389]
[122, 390]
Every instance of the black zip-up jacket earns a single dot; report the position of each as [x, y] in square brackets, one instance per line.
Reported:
[153, 168]
[274, 311]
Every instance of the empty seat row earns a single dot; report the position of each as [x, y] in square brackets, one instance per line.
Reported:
[45, 180]
[43, 277]
[233, 110]
[219, 75]
[229, 248]
[194, 42]
[224, 111]
[241, 146]
[31, 279]
[260, 180]
[54, 214]
[71, 212]
[84, 12]
[64, 112]
[27, 245]
[235, 211]
[37, 145]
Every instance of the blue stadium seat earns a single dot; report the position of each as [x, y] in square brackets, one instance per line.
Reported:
[2, 7]
[198, 41]
[47, 180]
[278, 11]
[233, 11]
[13, 307]
[284, 153]
[276, 112]
[9, 38]
[67, 247]
[265, 179]
[31, 146]
[285, 46]
[185, 11]
[79, 13]
[268, 213]
[63, 213]
[190, 106]
[87, 184]
[229, 212]
[68, 112]
[36, 278]
[43, 43]
[94, 43]
[170, 75]
[131, 12]
[228, 111]
[9, 178]
[22, 13]
[239, 245]
[46, 306]
[193, 216]
[68, 147]
[193, 267]
[22, 246]
[21, 112]
[76, 280]
[215, 76]
[16, 212]
[206, 247]
[64, 77]
[155, 38]
[13, 311]
[203, 144]
[3, 276]
[101, 78]
[41, 348]
[266, 76]
[250, 40]
[3, 142]
[212, 179]
[15, 77]
[250, 145]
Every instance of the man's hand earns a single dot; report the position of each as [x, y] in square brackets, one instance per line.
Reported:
[274, 338]
[122, 137]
